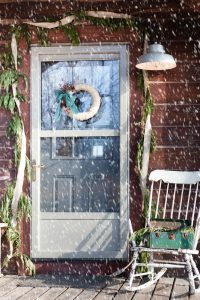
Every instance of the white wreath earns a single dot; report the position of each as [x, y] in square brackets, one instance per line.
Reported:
[82, 116]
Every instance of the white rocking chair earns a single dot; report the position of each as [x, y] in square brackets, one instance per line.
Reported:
[174, 198]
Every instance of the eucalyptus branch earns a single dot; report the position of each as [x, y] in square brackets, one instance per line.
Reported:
[112, 24]
[42, 34]
[6, 59]
[147, 110]
[72, 33]
[12, 233]
[15, 205]
[22, 31]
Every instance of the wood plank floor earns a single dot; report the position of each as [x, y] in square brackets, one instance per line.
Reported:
[68, 287]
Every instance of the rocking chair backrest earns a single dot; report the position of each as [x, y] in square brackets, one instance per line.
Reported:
[175, 195]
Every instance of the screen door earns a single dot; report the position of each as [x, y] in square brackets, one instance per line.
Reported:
[79, 168]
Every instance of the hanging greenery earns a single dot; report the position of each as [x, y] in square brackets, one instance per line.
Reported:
[113, 24]
[147, 109]
[72, 33]
[42, 35]
[9, 76]
[6, 58]
[22, 31]
[12, 233]
[110, 21]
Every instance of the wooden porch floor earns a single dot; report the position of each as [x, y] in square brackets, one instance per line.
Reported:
[88, 288]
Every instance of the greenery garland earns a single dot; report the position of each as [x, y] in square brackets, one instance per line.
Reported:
[8, 76]
[72, 33]
[22, 31]
[147, 109]
[144, 257]
[12, 233]
[111, 24]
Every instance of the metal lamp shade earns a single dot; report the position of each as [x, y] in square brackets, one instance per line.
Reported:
[156, 59]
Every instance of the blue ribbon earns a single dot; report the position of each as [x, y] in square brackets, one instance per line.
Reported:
[69, 101]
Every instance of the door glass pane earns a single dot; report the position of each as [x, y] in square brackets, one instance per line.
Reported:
[83, 147]
[101, 75]
[80, 174]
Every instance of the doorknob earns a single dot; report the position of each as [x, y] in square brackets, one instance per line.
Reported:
[34, 167]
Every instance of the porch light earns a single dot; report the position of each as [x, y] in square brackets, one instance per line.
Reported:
[156, 59]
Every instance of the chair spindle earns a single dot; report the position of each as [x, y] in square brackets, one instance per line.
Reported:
[150, 204]
[173, 201]
[181, 201]
[166, 196]
[188, 202]
[195, 201]
[158, 199]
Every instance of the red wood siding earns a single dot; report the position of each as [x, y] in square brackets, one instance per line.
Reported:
[175, 121]
[176, 117]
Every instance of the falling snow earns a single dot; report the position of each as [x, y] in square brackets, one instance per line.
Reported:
[87, 179]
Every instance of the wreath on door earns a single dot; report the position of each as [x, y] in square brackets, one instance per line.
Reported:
[68, 102]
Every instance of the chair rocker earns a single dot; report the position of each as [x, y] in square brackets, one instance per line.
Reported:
[172, 226]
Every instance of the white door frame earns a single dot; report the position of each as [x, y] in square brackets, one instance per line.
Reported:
[39, 54]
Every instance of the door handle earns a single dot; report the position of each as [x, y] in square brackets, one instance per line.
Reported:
[34, 167]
